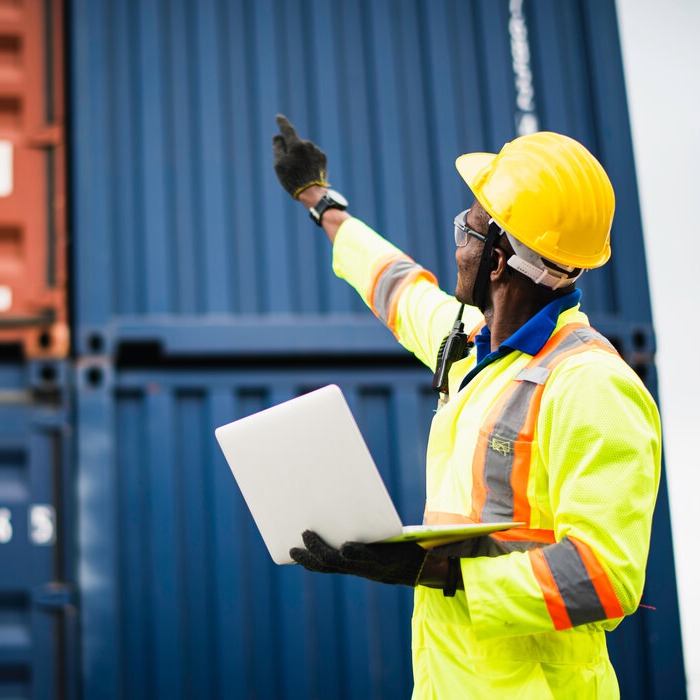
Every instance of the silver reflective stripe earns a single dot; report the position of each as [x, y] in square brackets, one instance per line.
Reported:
[500, 450]
[588, 335]
[580, 336]
[537, 375]
[486, 546]
[520, 545]
[500, 454]
[388, 283]
[574, 584]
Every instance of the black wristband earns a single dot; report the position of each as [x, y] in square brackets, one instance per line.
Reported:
[330, 200]
[452, 577]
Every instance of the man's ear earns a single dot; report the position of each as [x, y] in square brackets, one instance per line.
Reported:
[499, 263]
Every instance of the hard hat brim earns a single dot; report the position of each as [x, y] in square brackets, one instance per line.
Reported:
[471, 164]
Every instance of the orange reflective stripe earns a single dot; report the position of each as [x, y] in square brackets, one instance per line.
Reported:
[379, 267]
[520, 475]
[524, 534]
[599, 579]
[408, 280]
[550, 591]
[476, 330]
[522, 458]
[478, 486]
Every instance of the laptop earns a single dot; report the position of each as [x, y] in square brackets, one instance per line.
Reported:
[304, 465]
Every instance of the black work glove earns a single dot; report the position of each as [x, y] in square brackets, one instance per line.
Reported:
[396, 563]
[298, 164]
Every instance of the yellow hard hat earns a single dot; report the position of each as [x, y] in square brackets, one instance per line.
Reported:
[548, 192]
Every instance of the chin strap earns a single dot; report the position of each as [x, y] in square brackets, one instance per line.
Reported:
[481, 283]
[539, 269]
[540, 275]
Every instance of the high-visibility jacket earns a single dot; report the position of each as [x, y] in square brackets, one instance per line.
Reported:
[565, 439]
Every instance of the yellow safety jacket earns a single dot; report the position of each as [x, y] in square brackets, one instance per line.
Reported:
[565, 439]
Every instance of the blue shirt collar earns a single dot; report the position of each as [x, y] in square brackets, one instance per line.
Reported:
[531, 336]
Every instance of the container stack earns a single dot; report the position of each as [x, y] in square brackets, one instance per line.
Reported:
[37, 586]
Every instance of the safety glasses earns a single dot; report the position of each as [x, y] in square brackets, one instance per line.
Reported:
[462, 231]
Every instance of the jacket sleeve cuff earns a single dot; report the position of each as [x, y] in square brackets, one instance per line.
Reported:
[504, 597]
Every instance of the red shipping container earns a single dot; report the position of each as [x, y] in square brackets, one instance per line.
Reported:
[32, 178]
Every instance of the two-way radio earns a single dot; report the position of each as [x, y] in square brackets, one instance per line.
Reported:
[454, 347]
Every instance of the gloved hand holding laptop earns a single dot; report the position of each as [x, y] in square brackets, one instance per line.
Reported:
[395, 563]
[403, 563]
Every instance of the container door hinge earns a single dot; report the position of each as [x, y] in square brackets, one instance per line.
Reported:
[54, 596]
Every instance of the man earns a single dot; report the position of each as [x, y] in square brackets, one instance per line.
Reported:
[543, 424]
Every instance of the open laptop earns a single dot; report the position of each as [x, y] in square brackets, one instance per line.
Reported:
[304, 465]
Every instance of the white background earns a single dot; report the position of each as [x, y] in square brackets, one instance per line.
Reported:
[661, 52]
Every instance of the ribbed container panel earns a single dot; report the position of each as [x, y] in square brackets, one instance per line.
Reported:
[179, 220]
[196, 605]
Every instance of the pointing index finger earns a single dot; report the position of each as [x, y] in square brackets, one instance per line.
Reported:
[286, 129]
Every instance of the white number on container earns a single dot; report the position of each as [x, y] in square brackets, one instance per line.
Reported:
[5, 525]
[42, 524]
